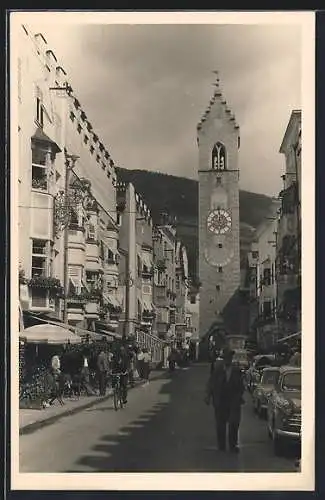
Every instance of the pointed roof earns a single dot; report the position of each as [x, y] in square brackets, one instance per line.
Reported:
[40, 136]
[217, 97]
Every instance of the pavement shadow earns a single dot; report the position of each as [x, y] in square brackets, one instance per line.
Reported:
[175, 435]
[158, 439]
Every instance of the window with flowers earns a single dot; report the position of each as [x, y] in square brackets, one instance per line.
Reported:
[40, 159]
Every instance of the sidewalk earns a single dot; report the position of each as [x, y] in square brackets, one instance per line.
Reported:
[30, 420]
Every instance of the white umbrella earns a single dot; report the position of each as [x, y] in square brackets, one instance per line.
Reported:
[50, 334]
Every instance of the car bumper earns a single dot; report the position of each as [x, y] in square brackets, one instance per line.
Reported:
[288, 434]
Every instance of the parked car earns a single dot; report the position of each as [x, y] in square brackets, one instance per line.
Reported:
[263, 390]
[253, 374]
[284, 409]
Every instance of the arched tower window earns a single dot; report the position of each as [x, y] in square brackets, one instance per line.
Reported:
[219, 157]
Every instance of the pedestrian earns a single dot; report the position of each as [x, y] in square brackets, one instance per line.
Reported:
[140, 357]
[85, 378]
[146, 365]
[131, 355]
[56, 365]
[172, 359]
[215, 356]
[121, 365]
[225, 388]
[295, 359]
[102, 367]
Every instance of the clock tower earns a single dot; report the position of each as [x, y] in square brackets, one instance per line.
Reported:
[219, 256]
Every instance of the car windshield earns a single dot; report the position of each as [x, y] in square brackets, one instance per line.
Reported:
[292, 381]
[270, 377]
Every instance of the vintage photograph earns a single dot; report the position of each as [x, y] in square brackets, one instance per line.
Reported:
[157, 182]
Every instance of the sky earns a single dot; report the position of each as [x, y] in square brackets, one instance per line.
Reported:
[144, 88]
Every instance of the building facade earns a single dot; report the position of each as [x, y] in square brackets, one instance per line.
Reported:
[67, 223]
[136, 271]
[219, 257]
[164, 281]
[289, 231]
[266, 284]
[181, 292]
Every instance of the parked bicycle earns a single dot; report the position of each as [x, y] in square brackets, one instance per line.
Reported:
[118, 394]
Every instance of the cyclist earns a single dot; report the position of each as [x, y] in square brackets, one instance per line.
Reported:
[120, 365]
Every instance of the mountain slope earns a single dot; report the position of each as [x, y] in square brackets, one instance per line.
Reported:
[178, 198]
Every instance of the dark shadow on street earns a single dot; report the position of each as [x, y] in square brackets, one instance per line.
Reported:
[174, 436]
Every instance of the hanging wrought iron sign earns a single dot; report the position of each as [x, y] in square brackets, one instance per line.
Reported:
[62, 212]
[65, 205]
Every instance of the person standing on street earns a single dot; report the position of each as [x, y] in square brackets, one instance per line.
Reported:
[102, 367]
[85, 378]
[132, 365]
[140, 357]
[146, 365]
[226, 387]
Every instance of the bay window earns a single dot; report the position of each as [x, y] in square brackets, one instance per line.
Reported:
[40, 258]
[91, 232]
[39, 169]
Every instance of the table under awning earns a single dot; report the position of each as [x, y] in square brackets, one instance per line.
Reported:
[50, 334]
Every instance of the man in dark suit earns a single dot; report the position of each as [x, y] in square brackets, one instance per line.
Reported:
[225, 388]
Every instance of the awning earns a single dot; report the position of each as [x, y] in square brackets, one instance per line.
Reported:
[40, 136]
[111, 300]
[50, 334]
[290, 337]
[108, 333]
[76, 282]
[109, 244]
[147, 304]
[146, 259]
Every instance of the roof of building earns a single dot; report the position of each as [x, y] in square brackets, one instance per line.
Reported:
[294, 118]
[217, 98]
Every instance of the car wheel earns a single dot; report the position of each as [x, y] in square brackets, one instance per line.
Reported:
[277, 444]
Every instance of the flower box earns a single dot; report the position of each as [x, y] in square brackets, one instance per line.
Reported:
[48, 283]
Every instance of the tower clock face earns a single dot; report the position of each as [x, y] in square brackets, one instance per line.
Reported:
[219, 221]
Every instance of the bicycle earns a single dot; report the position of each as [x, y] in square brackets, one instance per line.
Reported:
[118, 390]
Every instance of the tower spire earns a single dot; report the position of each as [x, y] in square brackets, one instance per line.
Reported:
[217, 97]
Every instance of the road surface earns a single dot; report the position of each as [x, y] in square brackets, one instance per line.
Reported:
[166, 427]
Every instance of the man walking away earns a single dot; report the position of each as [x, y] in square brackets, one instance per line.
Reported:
[102, 367]
[225, 387]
